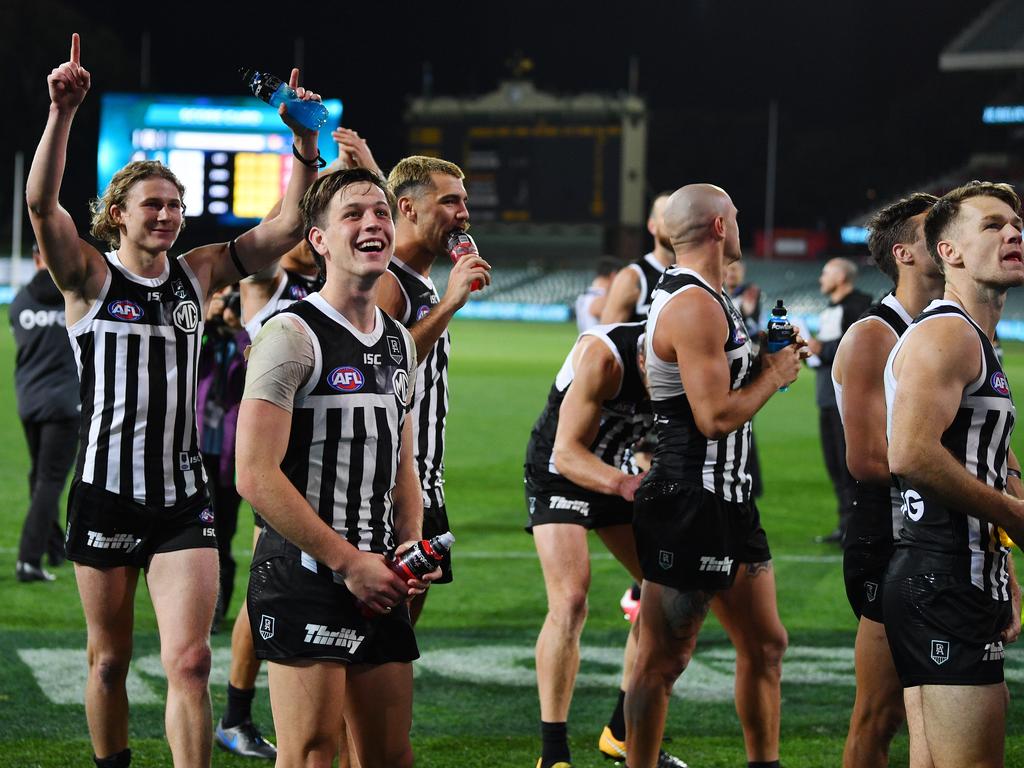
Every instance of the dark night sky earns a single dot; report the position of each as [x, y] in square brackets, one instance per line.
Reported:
[862, 104]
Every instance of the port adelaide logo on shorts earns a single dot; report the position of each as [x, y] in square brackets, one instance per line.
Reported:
[346, 379]
[870, 591]
[665, 559]
[940, 651]
[266, 626]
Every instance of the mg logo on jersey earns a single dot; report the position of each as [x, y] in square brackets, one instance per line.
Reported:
[710, 564]
[940, 651]
[186, 316]
[870, 591]
[666, 559]
[1000, 384]
[913, 505]
[395, 348]
[422, 312]
[123, 309]
[266, 626]
[400, 381]
[346, 379]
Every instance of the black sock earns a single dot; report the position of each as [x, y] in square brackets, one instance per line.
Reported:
[617, 725]
[239, 706]
[554, 744]
[120, 760]
[763, 764]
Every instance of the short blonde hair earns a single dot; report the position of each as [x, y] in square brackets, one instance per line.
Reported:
[103, 225]
[412, 175]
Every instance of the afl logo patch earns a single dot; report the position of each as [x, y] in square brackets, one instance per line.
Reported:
[401, 384]
[298, 292]
[422, 312]
[186, 316]
[999, 383]
[346, 379]
[123, 309]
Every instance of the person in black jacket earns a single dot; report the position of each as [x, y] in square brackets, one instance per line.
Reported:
[46, 387]
[846, 304]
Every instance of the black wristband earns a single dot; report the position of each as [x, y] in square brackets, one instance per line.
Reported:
[316, 162]
[1013, 473]
[233, 252]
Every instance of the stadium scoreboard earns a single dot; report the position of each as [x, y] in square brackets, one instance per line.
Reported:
[233, 154]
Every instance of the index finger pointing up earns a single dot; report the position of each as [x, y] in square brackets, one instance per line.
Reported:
[293, 81]
[76, 48]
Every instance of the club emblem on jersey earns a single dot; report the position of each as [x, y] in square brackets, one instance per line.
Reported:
[346, 379]
[1000, 384]
[266, 626]
[940, 651]
[178, 288]
[186, 316]
[123, 309]
[665, 559]
[422, 312]
[400, 381]
[913, 505]
[395, 348]
[870, 591]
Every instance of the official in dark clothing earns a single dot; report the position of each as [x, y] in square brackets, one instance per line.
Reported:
[46, 386]
[846, 304]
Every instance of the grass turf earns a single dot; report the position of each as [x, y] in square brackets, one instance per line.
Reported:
[475, 698]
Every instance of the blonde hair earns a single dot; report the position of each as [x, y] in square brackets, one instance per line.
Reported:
[103, 225]
[412, 174]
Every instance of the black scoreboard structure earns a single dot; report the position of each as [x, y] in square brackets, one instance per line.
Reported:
[542, 163]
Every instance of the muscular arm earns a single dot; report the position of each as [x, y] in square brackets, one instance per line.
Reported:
[622, 297]
[859, 366]
[932, 369]
[692, 329]
[597, 377]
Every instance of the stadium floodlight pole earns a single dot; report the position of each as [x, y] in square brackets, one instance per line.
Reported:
[769, 191]
[17, 216]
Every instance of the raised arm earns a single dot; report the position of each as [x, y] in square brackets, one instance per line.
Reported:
[70, 260]
[934, 365]
[860, 363]
[704, 369]
[597, 376]
[269, 239]
[622, 296]
[353, 151]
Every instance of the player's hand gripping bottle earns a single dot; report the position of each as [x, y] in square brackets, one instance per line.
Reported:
[780, 331]
[460, 244]
[274, 91]
[422, 557]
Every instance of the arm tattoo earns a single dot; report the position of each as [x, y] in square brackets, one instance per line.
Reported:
[753, 569]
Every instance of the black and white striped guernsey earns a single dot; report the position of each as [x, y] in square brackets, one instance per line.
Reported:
[291, 286]
[877, 505]
[137, 351]
[934, 536]
[624, 418]
[683, 453]
[347, 423]
[430, 408]
[649, 270]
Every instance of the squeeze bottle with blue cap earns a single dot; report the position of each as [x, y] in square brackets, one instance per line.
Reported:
[780, 331]
[274, 91]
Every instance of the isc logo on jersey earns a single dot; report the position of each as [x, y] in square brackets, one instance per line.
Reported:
[123, 309]
[346, 379]
[1000, 384]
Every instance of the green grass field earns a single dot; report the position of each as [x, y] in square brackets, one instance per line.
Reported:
[476, 701]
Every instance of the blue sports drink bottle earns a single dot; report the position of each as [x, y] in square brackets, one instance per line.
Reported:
[274, 91]
[780, 331]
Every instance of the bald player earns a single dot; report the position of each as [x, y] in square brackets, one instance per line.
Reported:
[698, 531]
[629, 297]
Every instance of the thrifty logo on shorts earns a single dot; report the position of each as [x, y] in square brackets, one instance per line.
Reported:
[560, 502]
[994, 651]
[711, 565]
[124, 541]
[318, 634]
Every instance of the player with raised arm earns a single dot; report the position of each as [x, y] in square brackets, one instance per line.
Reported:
[578, 478]
[139, 500]
[950, 602]
[899, 249]
[325, 453]
[698, 530]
